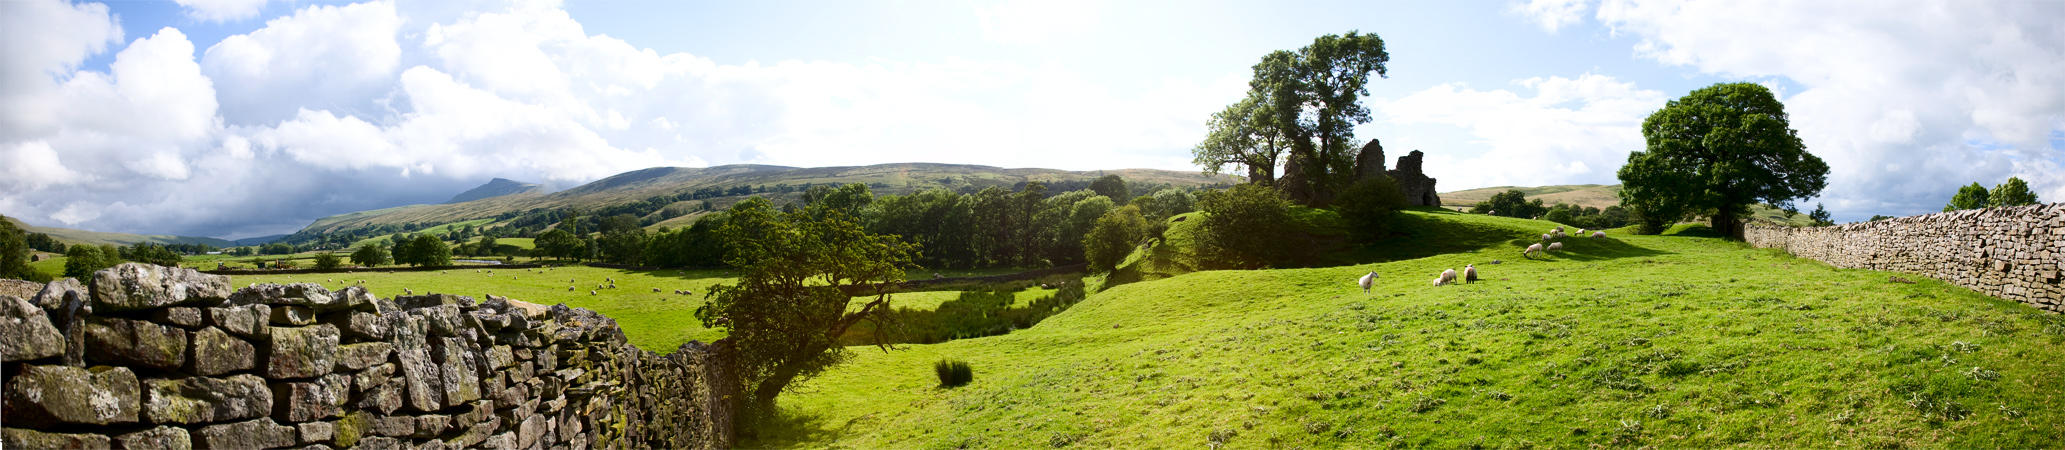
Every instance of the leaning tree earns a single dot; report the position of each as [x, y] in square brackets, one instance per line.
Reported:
[1717, 151]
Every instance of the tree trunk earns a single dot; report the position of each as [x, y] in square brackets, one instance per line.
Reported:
[772, 386]
[1726, 223]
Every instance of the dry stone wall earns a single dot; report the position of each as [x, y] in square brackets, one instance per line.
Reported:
[145, 356]
[2013, 253]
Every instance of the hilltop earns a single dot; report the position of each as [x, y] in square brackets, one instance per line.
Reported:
[659, 193]
[72, 236]
[496, 188]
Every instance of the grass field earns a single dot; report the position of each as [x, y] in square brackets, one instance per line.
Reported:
[1669, 341]
[658, 322]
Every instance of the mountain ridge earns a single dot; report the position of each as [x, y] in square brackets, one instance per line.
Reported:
[496, 188]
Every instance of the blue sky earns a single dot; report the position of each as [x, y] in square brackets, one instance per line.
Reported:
[248, 117]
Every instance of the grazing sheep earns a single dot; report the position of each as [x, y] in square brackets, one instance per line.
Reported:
[1531, 250]
[655, 290]
[591, 292]
[1581, 232]
[1598, 234]
[1545, 237]
[1366, 281]
[1555, 246]
[406, 291]
[936, 275]
[569, 288]
[1447, 277]
[1559, 229]
[1470, 273]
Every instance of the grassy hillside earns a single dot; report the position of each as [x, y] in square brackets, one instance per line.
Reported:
[1670, 341]
[1589, 195]
[71, 236]
[642, 184]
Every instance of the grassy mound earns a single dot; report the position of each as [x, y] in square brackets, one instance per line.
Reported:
[1671, 341]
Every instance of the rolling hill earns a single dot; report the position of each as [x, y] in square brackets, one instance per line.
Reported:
[72, 236]
[644, 185]
[1597, 196]
[496, 188]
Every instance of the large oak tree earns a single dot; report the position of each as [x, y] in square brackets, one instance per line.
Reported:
[1715, 152]
[1301, 105]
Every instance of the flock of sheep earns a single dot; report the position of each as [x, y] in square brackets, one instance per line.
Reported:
[1469, 274]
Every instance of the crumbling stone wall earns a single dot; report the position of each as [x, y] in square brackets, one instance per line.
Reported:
[2012, 253]
[146, 356]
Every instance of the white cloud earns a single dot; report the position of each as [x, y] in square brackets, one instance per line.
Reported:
[1905, 101]
[39, 40]
[1551, 15]
[34, 165]
[321, 57]
[1572, 130]
[221, 10]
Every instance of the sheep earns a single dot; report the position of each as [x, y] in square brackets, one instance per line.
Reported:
[1470, 273]
[1559, 229]
[1581, 232]
[1366, 281]
[591, 292]
[1545, 237]
[406, 291]
[655, 290]
[1447, 277]
[569, 288]
[1531, 250]
[1598, 234]
[1555, 246]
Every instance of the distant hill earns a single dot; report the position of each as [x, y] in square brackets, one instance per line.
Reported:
[1597, 196]
[71, 236]
[495, 188]
[261, 240]
[1589, 195]
[648, 191]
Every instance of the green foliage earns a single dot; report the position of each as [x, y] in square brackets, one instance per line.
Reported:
[953, 373]
[423, 250]
[789, 306]
[938, 220]
[1821, 216]
[1117, 233]
[620, 223]
[81, 261]
[42, 242]
[276, 249]
[151, 254]
[2013, 192]
[1511, 203]
[369, 255]
[1246, 226]
[695, 246]
[1368, 206]
[559, 243]
[1305, 105]
[848, 199]
[1716, 151]
[1112, 187]
[14, 254]
[1877, 217]
[328, 260]
[1968, 197]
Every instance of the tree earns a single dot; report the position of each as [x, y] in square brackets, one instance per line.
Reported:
[620, 223]
[1368, 206]
[790, 305]
[1117, 233]
[559, 243]
[276, 248]
[424, 250]
[1304, 105]
[151, 254]
[14, 253]
[81, 261]
[2013, 192]
[1112, 187]
[1876, 217]
[328, 260]
[1246, 226]
[1716, 151]
[369, 255]
[1511, 203]
[1821, 216]
[1968, 197]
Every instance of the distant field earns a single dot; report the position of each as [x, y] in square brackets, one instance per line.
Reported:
[1633, 341]
[1590, 195]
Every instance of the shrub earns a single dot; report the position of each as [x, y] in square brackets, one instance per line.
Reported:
[953, 373]
[1368, 206]
[1114, 237]
[1245, 227]
[327, 261]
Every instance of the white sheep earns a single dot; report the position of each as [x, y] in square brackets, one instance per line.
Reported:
[1366, 281]
[1447, 277]
[1531, 250]
[1598, 234]
[1555, 246]
[1470, 273]
[406, 291]
[1545, 237]
[655, 290]
[1581, 232]
[1559, 229]
[591, 292]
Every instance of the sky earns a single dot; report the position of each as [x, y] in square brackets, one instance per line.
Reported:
[240, 118]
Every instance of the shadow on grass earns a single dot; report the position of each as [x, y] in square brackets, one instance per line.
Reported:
[790, 428]
[971, 315]
[1590, 249]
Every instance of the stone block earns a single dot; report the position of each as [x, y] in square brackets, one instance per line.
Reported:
[291, 315]
[216, 352]
[27, 438]
[460, 369]
[137, 287]
[251, 434]
[135, 342]
[360, 325]
[248, 321]
[56, 293]
[42, 396]
[355, 357]
[196, 400]
[316, 432]
[181, 316]
[307, 295]
[162, 437]
[26, 332]
[301, 352]
[302, 401]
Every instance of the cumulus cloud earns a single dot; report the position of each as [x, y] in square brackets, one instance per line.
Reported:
[1905, 100]
[333, 109]
[221, 10]
[1551, 15]
[1571, 130]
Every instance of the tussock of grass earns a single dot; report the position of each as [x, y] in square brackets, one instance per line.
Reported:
[1670, 341]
